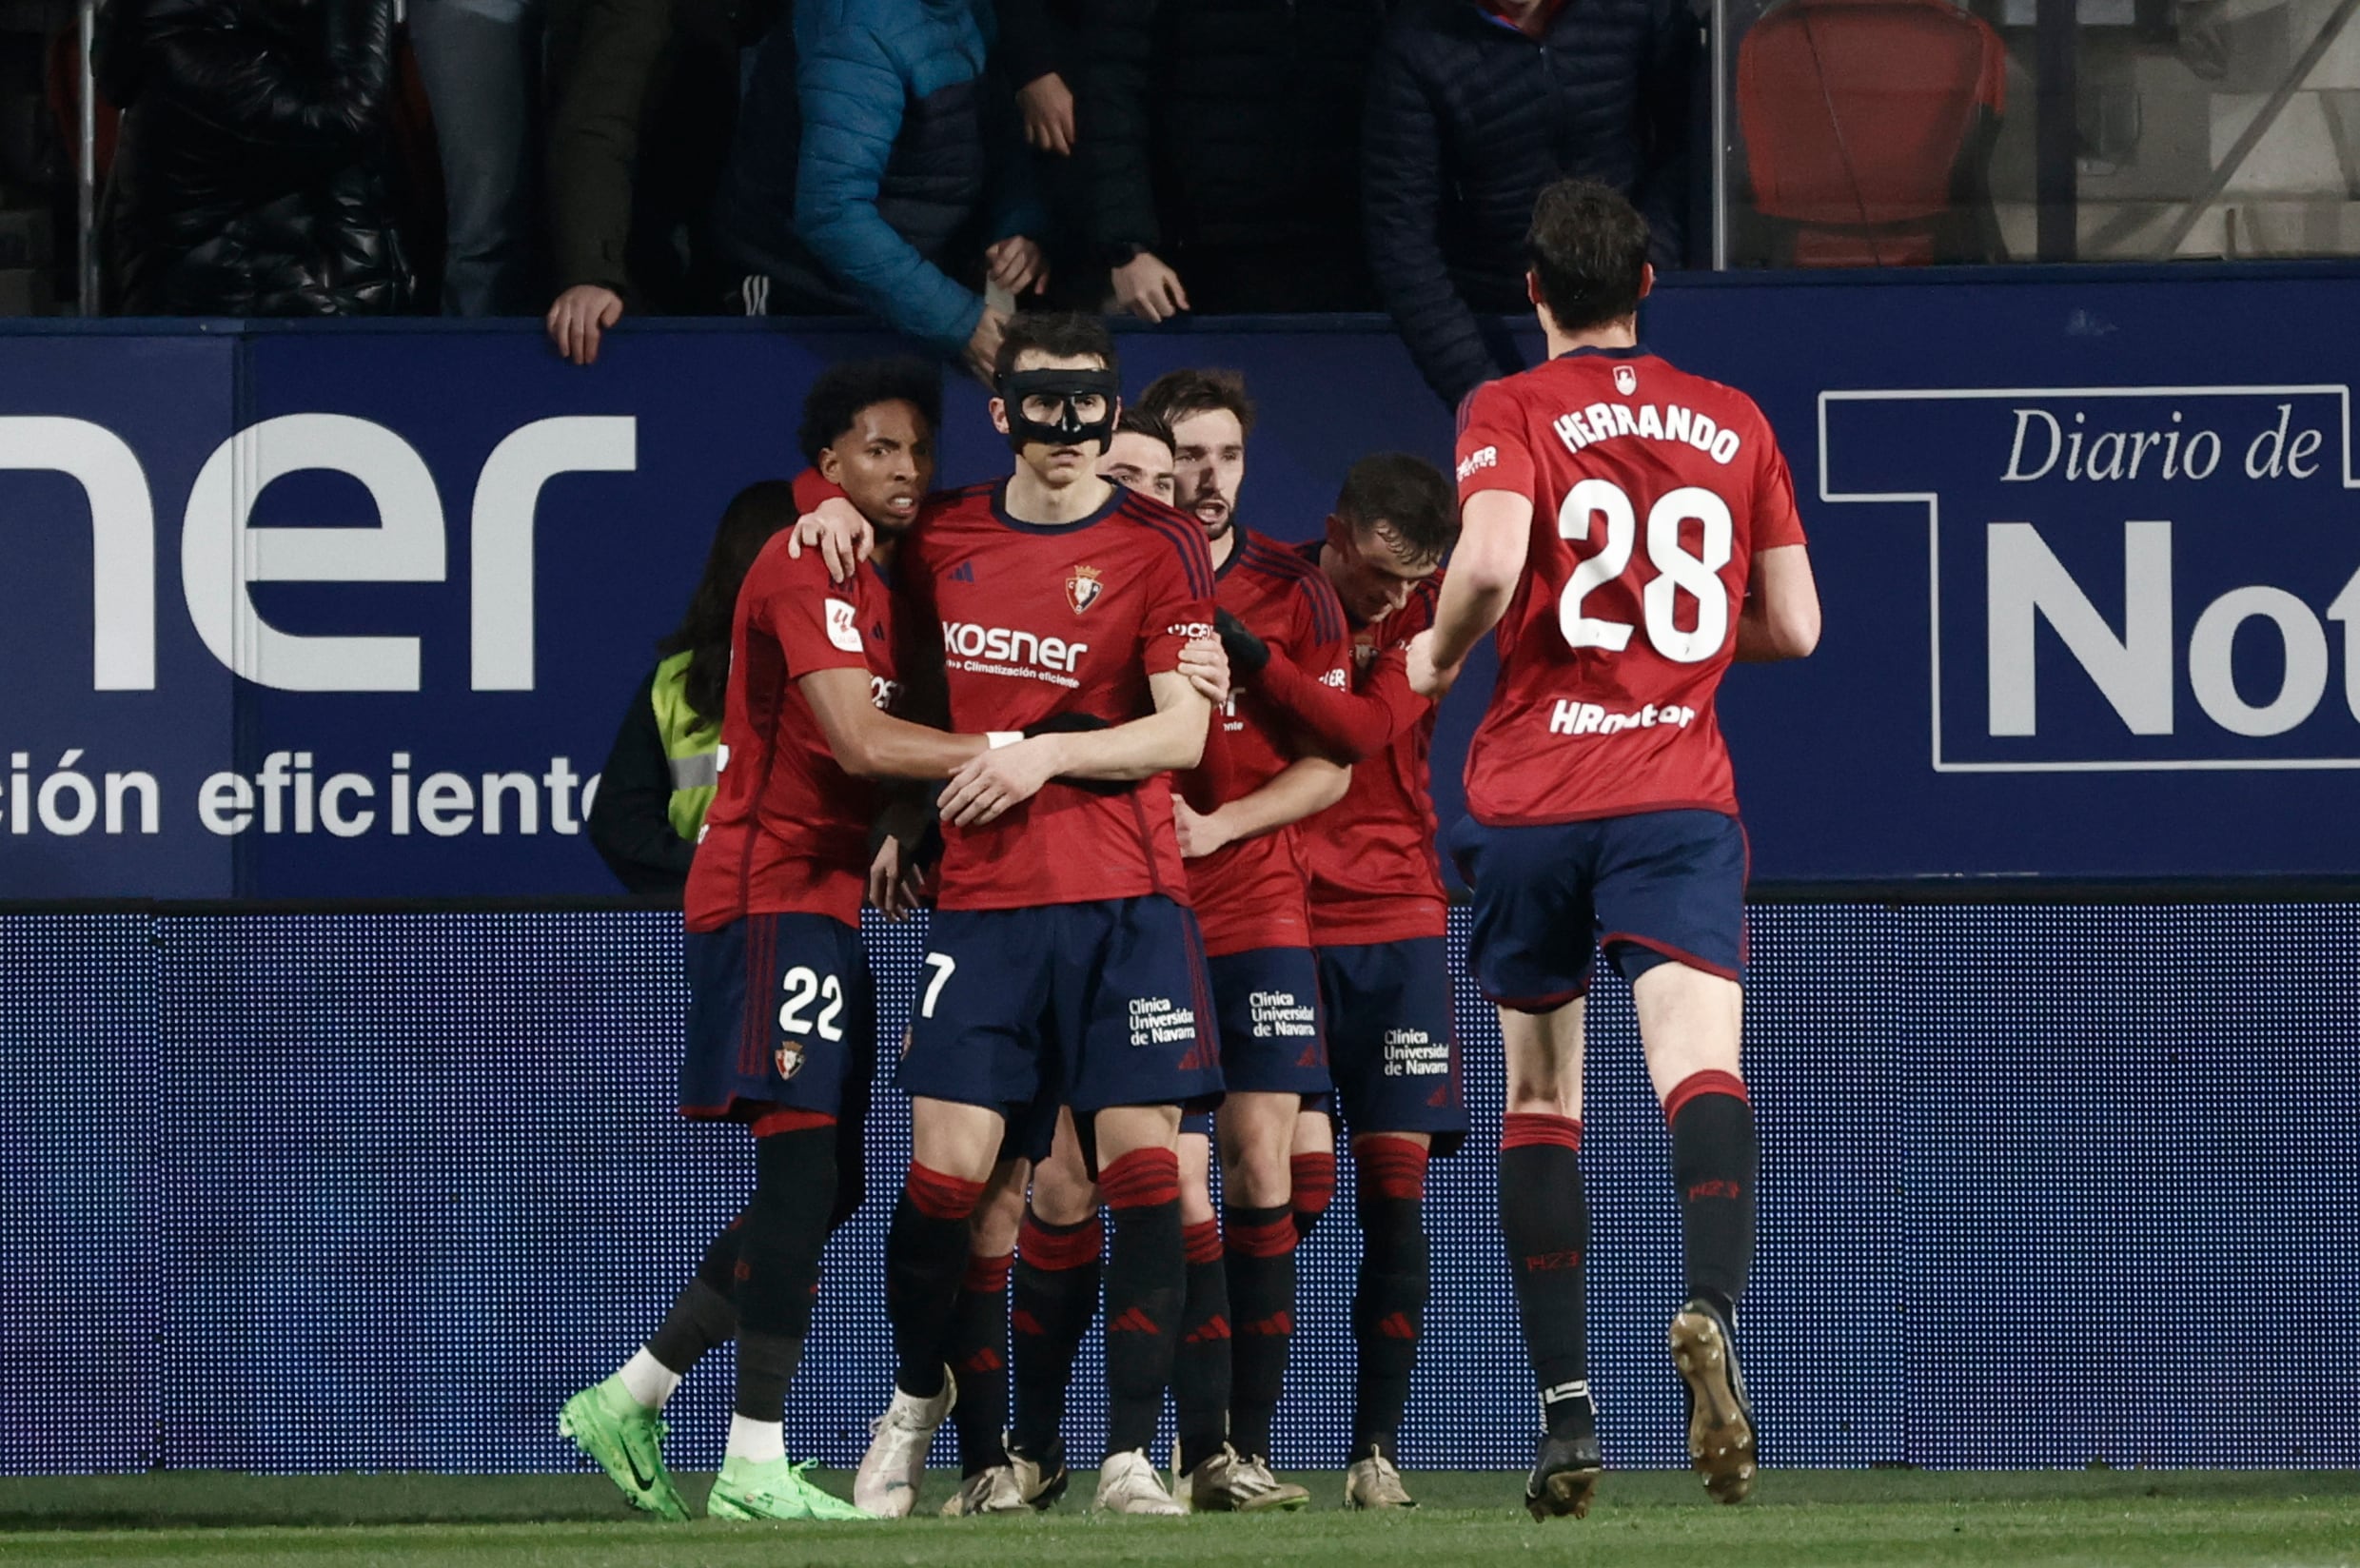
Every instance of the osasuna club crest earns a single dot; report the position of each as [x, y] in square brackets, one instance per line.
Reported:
[790, 1060]
[1625, 380]
[1082, 588]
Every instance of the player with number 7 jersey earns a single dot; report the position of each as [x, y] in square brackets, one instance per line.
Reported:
[1630, 529]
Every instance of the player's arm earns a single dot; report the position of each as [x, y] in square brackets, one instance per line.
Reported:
[1345, 726]
[1495, 534]
[869, 743]
[1781, 617]
[1166, 741]
[1304, 787]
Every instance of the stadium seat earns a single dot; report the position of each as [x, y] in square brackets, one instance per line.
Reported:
[1868, 127]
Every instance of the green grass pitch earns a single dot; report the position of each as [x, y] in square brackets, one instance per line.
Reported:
[1642, 1521]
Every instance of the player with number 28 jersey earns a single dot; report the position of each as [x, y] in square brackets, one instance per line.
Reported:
[1652, 491]
[1630, 529]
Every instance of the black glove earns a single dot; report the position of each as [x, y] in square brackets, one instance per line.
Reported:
[1248, 653]
[1063, 724]
[1072, 724]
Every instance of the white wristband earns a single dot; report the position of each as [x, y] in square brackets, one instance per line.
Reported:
[1002, 738]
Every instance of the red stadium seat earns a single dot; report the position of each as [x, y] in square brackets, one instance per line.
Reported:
[1868, 127]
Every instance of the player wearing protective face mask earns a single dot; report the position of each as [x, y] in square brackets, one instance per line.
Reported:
[1065, 962]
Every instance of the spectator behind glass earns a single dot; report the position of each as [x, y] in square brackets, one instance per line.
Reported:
[871, 142]
[1473, 108]
[646, 106]
[252, 173]
[1221, 139]
[480, 63]
[869, 431]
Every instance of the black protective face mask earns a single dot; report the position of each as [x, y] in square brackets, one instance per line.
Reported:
[1068, 429]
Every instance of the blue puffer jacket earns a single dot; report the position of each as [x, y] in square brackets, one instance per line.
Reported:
[872, 159]
[1468, 119]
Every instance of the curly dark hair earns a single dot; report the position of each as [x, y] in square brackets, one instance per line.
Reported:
[847, 388]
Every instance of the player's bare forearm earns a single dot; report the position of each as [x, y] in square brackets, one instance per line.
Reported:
[1494, 535]
[1780, 618]
[1304, 787]
[1168, 741]
[868, 743]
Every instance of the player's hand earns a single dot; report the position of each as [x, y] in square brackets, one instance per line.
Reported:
[1427, 678]
[1017, 265]
[894, 880]
[983, 344]
[1248, 653]
[1001, 780]
[1149, 290]
[1200, 835]
[1208, 669]
[843, 537]
[1048, 105]
[580, 314]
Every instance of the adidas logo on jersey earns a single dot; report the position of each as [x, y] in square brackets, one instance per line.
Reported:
[1575, 718]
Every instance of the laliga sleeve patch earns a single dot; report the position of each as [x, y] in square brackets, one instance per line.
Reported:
[842, 629]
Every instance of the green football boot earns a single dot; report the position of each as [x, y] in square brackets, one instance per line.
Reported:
[626, 1438]
[773, 1489]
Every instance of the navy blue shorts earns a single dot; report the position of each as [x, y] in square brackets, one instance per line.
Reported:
[1099, 1004]
[1391, 1046]
[781, 1011]
[1271, 1036]
[1653, 888]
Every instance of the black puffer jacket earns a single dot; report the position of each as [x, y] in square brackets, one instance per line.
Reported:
[1468, 119]
[1224, 123]
[251, 177]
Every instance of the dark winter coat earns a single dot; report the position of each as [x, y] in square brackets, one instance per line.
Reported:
[252, 178]
[1469, 118]
[1225, 124]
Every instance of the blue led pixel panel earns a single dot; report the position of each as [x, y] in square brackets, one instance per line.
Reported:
[2041, 1186]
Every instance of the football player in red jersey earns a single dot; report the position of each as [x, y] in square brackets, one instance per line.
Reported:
[1378, 916]
[1065, 963]
[1237, 819]
[1630, 529]
[780, 1033]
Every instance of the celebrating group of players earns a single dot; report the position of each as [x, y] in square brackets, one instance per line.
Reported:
[1186, 901]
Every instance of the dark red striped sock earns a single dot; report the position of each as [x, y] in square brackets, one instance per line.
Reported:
[1545, 1218]
[1314, 1178]
[1715, 1153]
[980, 1357]
[925, 1261]
[1261, 1260]
[1144, 1274]
[1053, 1297]
[1200, 1365]
[1389, 1297]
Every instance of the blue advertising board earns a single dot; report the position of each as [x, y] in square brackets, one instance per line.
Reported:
[353, 611]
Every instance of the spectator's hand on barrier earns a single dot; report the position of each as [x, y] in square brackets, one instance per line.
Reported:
[1427, 678]
[983, 345]
[843, 537]
[578, 316]
[1149, 290]
[1017, 265]
[994, 781]
[1208, 669]
[1200, 835]
[1048, 106]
